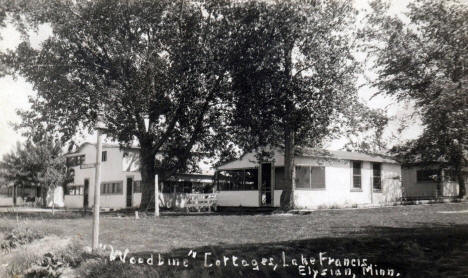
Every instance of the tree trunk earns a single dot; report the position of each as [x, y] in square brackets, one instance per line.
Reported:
[440, 182]
[147, 170]
[287, 197]
[461, 184]
[44, 196]
[14, 195]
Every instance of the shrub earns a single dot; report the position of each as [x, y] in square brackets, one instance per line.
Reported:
[55, 262]
[19, 236]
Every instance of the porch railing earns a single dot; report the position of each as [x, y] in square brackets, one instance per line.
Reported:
[200, 201]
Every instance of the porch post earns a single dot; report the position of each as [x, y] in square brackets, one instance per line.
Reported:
[156, 196]
[273, 184]
[259, 184]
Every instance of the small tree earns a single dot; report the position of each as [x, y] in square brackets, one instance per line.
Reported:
[37, 164]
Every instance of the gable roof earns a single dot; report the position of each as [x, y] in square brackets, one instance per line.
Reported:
[344, 155]
[248, 160]
[104, 146]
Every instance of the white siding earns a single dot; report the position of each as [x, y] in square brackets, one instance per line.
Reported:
[111, 170]
[238, 198]
[73, 201]
[338, 191]
[425, 189]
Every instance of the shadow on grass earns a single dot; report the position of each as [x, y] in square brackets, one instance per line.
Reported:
[426, 251]
[24, 215]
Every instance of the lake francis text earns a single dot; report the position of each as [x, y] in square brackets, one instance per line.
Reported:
[318, 265]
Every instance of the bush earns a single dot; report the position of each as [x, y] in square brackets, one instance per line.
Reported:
[17, 237]
[53, 264]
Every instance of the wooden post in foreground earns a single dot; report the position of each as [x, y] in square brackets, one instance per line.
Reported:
[97, 192]
[156, 196]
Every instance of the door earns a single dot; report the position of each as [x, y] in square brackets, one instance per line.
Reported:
[266, 199]
[86, 193]
[129, 192]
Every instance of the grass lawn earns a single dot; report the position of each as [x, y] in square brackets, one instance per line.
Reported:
[414, 241]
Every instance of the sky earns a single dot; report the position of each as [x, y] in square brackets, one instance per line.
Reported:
[14, 93]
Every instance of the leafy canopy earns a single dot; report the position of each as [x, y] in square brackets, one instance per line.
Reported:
[425, 60]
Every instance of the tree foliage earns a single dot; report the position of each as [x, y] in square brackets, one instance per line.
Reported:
[293, 74]
[39, 163]
[129, 59]
[366, 130]
[424, 59]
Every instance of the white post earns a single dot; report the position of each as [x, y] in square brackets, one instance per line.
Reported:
[156, 196]
[97, 192]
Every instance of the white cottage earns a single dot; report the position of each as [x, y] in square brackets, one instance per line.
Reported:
[430, 181]
[323, 179]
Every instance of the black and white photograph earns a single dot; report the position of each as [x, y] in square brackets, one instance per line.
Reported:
[233, 138]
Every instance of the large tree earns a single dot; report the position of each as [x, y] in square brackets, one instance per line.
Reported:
[128, 60]
[423, 57]
[293, 74]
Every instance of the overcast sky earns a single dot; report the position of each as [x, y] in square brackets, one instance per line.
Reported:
[14, 93]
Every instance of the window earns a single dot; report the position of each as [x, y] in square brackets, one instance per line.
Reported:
[75, 190]
[357, 177]
[302, 177]
[251, 179]
[308, 177]
[75, 160]
[136, 186]
[279, 178]
[104, 156]
[377, 176]
[71, 173]
[429, 175]
[111, 188]
[240, 180]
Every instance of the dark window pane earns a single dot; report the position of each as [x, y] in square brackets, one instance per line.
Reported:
[279, 178]
[317, 177]
[377, 183]
[357, 181]
[357, 165]
[377, 176]
[426, 175]
[237, 179]
[222, 180]
[136, 186]
[302, 177]
[251, 179]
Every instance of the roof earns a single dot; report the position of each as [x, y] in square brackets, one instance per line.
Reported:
[344, 155]
[249, 160]
[104, 145]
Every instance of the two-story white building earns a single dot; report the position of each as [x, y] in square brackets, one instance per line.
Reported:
[121, 179]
